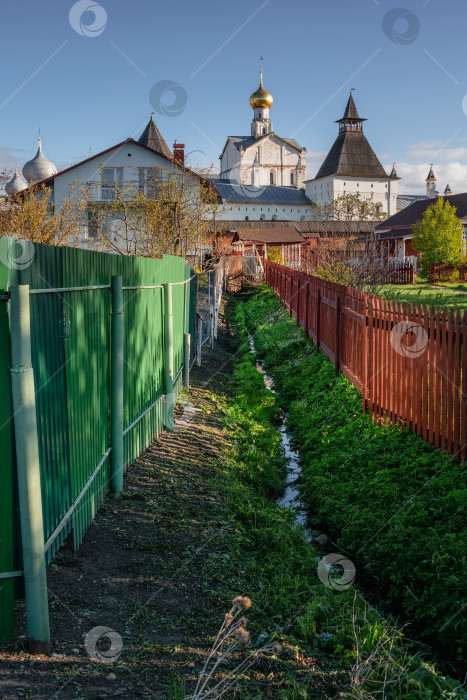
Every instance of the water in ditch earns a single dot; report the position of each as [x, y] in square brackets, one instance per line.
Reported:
[291, 497]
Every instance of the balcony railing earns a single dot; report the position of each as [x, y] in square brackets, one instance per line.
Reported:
[101, 192]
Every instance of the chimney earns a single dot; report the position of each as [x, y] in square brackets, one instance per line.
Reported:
[179, 153]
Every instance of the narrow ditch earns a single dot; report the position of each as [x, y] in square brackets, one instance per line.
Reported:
[291, 497]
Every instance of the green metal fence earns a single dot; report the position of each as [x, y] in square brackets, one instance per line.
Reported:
[71, 342]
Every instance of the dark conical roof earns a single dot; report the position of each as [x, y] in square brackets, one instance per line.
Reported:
[431, 175]
[351, 113]
[352, 155]
[393, 171]
[152, 138]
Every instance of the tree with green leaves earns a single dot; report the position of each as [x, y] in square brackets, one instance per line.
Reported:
[438, 236]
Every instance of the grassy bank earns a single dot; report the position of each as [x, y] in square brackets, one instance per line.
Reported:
[426, 294]
[335, 643]
[391, 500]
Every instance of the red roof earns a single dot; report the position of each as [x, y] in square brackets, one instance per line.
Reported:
[50, 179]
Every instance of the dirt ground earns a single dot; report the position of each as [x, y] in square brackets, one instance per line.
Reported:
[139, 570]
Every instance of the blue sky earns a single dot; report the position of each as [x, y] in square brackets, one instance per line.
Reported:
[407, 63]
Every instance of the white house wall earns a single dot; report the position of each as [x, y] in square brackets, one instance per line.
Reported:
[383, 192]
[268, 212]
[130, 157]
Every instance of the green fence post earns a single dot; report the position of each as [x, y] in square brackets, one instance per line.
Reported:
[117, 385]
[29, 477]
[169, 358]
[187, 350]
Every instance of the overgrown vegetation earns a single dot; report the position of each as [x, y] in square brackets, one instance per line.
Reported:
[277, 568]
[385, 496]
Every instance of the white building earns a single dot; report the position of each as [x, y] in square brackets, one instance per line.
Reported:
[249, 203]
[133, 165]
[264, 158]
[352, 167]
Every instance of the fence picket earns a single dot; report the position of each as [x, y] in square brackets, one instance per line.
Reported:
[370, 339]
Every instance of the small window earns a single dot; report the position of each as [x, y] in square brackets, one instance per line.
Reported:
[372, 184]
[291, 179]
[247, 218]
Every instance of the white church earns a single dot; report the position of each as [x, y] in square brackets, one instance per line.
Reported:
[263, 175]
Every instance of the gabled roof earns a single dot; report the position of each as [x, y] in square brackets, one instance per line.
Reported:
[247, 141]
[49, 180]
[233, 192]
[309, 229]
[351, 156]
[413, 213]
[153, 139]
[268, 235]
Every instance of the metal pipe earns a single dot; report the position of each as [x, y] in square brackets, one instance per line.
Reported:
[28, 470]
[169, 358]
[211, 324]
[117, 386]
[137, 420]
[55, 290]
[186, 352]
[200, 341]
[76, 502]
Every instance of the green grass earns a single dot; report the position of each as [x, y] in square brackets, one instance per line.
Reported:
[423, 293]
[277, 568]
[383, 494]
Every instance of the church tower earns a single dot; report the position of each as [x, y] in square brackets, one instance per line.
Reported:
[431, 184]
[261, 101]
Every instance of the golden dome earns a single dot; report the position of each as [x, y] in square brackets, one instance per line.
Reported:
[261, 98]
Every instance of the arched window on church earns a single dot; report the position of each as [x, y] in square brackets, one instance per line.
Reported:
[291, 178]
[247, 218]
[264, 129]
[271, 177]
[274, 217]
[262, 217]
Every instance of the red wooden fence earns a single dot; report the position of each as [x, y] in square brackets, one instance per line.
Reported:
[441, 272]
[406, 360]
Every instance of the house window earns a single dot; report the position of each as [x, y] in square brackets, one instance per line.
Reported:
[148, 181]
[111, 179]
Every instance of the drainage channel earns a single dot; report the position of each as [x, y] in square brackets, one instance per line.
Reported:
[291, 497]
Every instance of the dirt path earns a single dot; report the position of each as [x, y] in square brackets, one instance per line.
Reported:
[139, 570]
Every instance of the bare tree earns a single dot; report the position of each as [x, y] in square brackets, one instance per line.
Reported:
[361, 264]
[164, 210]
[30, 215]
[348, 207]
